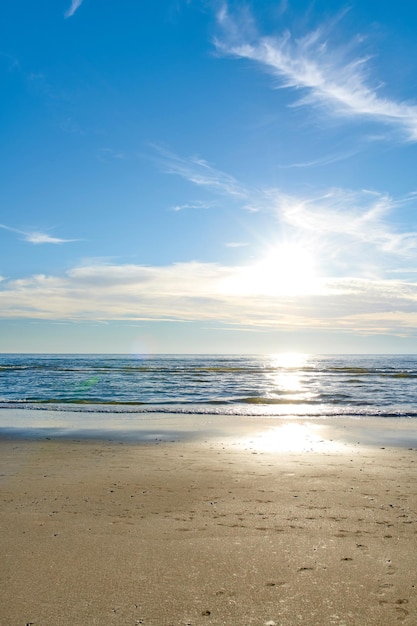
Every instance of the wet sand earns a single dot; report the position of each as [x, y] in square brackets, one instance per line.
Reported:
[215, 530]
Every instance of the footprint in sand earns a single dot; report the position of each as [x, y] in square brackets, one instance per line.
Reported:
[383, 587]
[391, 569]
[401, 611]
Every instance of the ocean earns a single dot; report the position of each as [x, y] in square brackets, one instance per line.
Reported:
[273, 385]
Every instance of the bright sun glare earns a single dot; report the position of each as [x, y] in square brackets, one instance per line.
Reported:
[286, 269]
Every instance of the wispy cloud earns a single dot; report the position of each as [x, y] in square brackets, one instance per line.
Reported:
[75, 4]
[353, 230]
[191, 205]
[327, 75]
[200, 173]
[340, 218]
[322, 161]
[36, 237]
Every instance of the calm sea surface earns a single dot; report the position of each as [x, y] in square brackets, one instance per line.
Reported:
[282, 385]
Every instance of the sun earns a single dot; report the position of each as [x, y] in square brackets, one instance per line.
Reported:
[286, 268]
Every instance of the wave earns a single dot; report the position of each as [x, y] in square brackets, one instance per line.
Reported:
[245, 410]
[250, 400]
[181, 369]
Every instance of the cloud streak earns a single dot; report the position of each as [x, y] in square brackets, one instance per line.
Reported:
[200, 173]
[75, 4]
[325, 75]
[191, 205]
[36, 237]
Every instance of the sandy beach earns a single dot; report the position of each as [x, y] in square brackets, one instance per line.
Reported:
[208, 531]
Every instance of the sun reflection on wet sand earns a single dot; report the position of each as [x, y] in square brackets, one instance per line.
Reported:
[292, 438]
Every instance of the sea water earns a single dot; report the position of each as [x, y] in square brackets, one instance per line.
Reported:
[273, 385]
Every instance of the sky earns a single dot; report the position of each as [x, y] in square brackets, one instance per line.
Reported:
[200, 176]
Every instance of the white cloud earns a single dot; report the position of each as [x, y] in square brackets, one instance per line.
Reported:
[36, 237]
[325, 74]
[196, 291]
[75, 4]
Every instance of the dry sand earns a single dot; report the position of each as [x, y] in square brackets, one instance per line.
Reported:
[206, 533]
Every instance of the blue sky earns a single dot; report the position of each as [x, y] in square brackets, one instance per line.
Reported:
[207, 176]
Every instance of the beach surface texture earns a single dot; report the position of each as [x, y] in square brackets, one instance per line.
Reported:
[276, 527]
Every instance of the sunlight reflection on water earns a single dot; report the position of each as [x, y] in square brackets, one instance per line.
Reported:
[289, 359]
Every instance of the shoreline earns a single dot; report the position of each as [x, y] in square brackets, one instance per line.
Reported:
[281, 432]
[220, 529]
